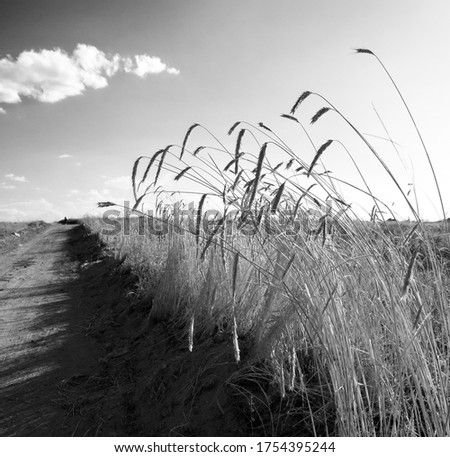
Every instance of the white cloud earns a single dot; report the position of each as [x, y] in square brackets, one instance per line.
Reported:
[2, 111]
[94, 66]
[7, 186]
[98, 195]
[29, 210]
[13, 177]
[121, 182]
[47, 76]
[73, 192]
[51, 75]
[65, 156]
[146, 65]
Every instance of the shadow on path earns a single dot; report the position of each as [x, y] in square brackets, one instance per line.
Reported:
[45, 349]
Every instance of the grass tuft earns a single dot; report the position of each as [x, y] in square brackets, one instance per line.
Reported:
[339, 320]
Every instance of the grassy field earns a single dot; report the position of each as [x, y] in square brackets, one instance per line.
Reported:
[339, 326]
[12, 234]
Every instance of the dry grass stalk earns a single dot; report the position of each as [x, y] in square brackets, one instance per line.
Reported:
[276, 200]
[150, 163]
[289, 164]
[407, 279]
[288, 116]
[161, 162]
[133, 175]
[191, 128]
[262, 125]
[211, 237]
[278, 165]
[326, 322]
[180, 175]
[197, 150]
[363, 51]
[199, 218]
[320, 151]
[237, 153]
[233, 127]
[236, 181]
[259, 166]
[237, 352]
[300, 100]
[234, 162]
[319, 114]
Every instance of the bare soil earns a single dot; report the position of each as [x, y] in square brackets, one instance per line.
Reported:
[16, 234]
[80, 357]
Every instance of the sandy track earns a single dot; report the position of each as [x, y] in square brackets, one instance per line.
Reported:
[80, 357]
[42, 333]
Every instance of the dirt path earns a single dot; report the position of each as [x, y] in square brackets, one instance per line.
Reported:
[43, 341]
[79, 355]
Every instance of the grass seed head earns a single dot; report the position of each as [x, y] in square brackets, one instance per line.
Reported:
[364, 51]
[180, 175]
[237, 150]
[300, 100]
[192, 127]
[198, 150]
[264, 127]
[319, 114]
[199, 218]
[320, 151]
[288, 116]
[161, 162]
[233, 127]
[276, 200]
[133, 175]
[105, 204]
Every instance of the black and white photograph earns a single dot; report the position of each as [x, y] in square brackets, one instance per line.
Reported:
[224, 219]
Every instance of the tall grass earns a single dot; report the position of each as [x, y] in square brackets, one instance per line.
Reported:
[340, 326]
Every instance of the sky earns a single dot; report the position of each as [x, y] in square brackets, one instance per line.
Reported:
[88, 86]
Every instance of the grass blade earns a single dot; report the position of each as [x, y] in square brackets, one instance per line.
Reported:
[210, 239]
[409, 273]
